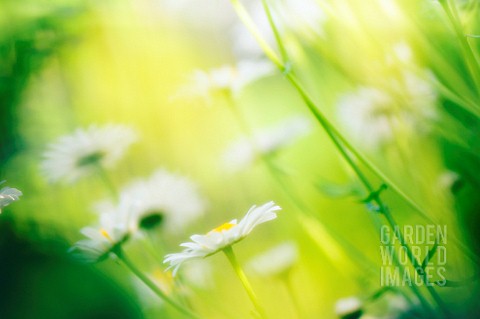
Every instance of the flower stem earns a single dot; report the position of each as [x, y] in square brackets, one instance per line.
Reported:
[287, 282]
[278, 39]
[340, 143]
[150, 284]
[246, 284]
[418, 268]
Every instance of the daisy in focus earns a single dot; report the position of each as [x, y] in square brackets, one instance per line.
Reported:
[245, 151]
[226, 80]
[8, 195]
[85, 151]
[223, 236]
[277, 261]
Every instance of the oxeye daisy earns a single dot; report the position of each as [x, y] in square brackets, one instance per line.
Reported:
[8, 195]
[165, 200]
[227, 79]
[222, 236]
[113, 229]
[266, 142]
[85, 151]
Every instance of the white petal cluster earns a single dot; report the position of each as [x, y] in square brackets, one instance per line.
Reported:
[223, 236]
[114, 227]
[172, 197]
[8, 195]
[347, 306]
[76, 155]
[276, 261]
[228, 79]
[172, 200]
[374, 116]
[243, 152]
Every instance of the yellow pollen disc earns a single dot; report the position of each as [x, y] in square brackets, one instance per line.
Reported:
[105, 234]
[223, 227]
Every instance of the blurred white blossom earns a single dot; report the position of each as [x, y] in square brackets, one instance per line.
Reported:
[73, 156]
[114, 227]
[374, 116]
[243, 152]
[8, 195]
[348, 307]
[227, 79]
[275, 261]
[165, 199]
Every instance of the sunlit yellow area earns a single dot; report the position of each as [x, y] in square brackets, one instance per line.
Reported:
[128, 127]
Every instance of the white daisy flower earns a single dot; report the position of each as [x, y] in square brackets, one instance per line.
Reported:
[375, 116]
[165, 199]
[276, 261]
[350, 307]
[228, 79]
[223, 236]
[73, 156]
[8, 195]
[114, 228]
[243, 152]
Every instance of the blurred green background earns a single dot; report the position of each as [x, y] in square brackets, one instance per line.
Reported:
[68, 64]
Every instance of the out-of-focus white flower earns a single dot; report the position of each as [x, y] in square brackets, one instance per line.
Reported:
[447, 180]
[223, 236]
[113, 229]
[276, 261]
[73, 156]
[374, 116]
[228, 79]
[165, 199]
[8, 195]
[403, 52]
[244, 151]
[350, 307]
[304, 18]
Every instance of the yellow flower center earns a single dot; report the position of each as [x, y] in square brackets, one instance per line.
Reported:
[223, 227]
[105, 234]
